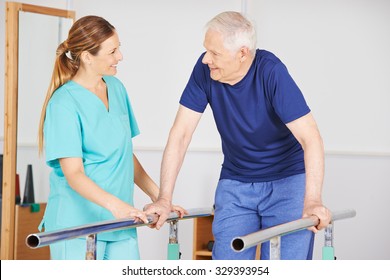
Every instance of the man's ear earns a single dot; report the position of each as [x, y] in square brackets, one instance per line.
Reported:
[243, 53]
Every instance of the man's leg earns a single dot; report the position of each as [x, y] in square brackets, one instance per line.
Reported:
[285, 204]
[235, 215]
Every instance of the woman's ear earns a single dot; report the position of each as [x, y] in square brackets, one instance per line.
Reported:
[85, 57]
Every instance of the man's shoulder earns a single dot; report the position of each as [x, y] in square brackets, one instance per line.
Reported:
[265, 56]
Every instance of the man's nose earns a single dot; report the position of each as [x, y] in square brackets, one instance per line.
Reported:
[206, 59]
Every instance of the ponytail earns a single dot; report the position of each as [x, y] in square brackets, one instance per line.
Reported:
[65, 67]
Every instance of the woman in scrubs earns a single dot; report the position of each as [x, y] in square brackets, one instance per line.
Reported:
[87, 125]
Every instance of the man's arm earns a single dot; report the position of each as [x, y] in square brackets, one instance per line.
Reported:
[179, 138]
[306, 132]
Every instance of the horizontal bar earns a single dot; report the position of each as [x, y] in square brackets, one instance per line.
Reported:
[37, 240]
[239, 244]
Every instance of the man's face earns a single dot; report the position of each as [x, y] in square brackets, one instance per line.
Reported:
[224, 65]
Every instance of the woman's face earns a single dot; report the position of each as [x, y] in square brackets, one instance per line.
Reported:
[106, 60]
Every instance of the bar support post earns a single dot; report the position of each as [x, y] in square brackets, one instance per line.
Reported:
[328, 250]
[91, 247]
[173, 245]
[275, 248]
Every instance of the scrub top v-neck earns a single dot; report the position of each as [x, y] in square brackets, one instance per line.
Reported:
[78, 124]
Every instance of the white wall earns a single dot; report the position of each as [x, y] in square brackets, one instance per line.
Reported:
[362, 183]
[335, 50]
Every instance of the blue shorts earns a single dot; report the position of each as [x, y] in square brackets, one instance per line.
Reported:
[243, 208]
[75, 249]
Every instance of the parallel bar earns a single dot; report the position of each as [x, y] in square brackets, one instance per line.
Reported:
[241, 243]
[37, 240]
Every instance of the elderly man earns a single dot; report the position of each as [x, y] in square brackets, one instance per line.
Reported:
[273, 165]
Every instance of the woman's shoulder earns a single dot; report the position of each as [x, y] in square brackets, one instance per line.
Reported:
[115, 85]
[62, 92]
[112, 80]
[63, 95]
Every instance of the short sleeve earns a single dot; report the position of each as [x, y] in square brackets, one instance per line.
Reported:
[62, 133]
[194, 95]
[287, 99]
[133, 122]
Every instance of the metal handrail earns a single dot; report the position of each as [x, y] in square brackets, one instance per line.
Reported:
[37, 240]
[239, 244]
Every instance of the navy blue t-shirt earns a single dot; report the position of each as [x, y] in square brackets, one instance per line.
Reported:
[251, 117]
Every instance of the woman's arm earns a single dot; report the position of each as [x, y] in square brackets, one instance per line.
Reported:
[148, 186]
[73, 170]
[143, 180]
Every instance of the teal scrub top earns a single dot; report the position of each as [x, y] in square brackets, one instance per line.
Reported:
[77, 124]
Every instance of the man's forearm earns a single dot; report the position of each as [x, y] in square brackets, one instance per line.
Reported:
[314, 165]
[171, 164]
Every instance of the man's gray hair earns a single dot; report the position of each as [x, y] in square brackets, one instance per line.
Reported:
[237, 31]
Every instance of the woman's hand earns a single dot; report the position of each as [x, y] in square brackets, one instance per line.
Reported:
[121, 210]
